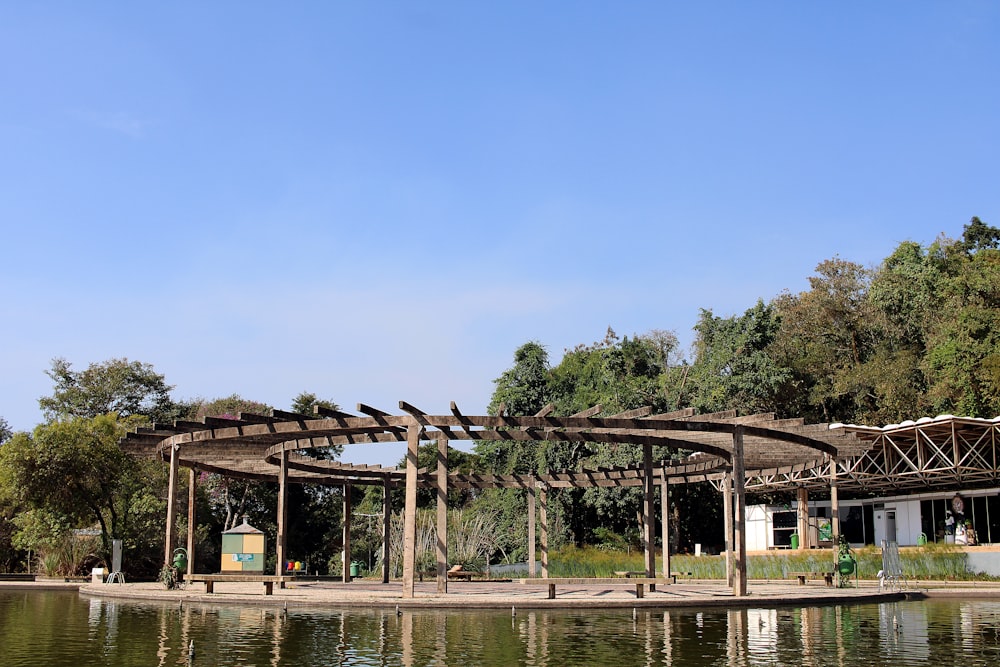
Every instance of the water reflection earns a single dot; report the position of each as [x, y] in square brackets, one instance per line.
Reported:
[64, 629]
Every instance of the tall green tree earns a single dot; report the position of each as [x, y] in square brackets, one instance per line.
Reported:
[5, 431]
[733, 368]
[962, 363]
[305, 404]
[75, 469]
[127, 388]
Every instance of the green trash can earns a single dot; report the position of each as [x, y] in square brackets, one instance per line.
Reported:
[795, 540]
[355, 568]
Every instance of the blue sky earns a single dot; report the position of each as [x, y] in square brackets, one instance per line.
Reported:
[380, 201]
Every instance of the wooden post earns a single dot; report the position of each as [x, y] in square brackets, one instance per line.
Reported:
[346, 575]
[543, 516]
[739, 510]
[192, 517]
[531, 530]
[386, 525]
[665, 521]
[282, 546]
[649, 511]
[727, 512]
[413, 432]
[168, 543]
[834, 505]
[442, 515]
[802, 495]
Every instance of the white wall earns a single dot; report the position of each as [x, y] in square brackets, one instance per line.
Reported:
[758, 527]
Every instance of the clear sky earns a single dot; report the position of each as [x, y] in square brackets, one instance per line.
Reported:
[380, 201]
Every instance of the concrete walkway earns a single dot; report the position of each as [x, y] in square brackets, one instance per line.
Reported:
[502, 595]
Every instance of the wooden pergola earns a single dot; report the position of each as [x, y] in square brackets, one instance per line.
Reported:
[722, 448]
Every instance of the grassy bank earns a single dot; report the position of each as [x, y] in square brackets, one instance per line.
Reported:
[928, 562]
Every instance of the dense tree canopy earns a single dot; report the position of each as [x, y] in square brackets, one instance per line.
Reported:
[127, 388]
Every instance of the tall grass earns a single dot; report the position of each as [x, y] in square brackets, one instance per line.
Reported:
[929, 562]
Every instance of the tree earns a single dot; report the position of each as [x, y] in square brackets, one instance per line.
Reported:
[977, 235]
[5, 431]
[228, 407]
[305, 404]
[74, 470]
[521, 389]
[733, 368]
[127, 388]
[962, 362]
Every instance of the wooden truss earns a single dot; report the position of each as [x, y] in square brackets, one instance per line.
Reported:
[946, 451]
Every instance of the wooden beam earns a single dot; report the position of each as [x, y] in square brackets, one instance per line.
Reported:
[168, 542]
[649, 511]
[346, 524]
[531, 530]
[543, 516]
[282, 545]
[727, 513]
[410, 510]
[386, 526]
[665, 523]
[739, 510]
[442, 515]
[192, 517]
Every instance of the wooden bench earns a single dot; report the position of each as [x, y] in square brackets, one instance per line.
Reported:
[803, 576]
[16, 576]
[267, 579]
[551, 582]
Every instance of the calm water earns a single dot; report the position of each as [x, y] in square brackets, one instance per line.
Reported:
[55, 629]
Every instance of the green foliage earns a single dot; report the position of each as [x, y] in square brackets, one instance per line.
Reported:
[72, 473]
[5, 431]
[168, 577]
[732, 368]
[228, 407]
[127, 388]
[306, 403]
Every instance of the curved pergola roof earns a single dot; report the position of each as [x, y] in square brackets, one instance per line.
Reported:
[251, 446]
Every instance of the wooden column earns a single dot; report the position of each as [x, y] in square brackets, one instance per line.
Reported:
[386, 526]
[192, 517]
[727, 513]
[346, 574]
[543, 516]
[531, 530]
[282, 546]
[802, 495]
[834, 504]
[168, 542]
[665, 521]
[648, 510]
[442, 515]
[739, 511]
[410, 510]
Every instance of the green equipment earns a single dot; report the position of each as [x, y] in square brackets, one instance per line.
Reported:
[180, 559]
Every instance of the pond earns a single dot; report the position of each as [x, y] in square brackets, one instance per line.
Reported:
[64, 628]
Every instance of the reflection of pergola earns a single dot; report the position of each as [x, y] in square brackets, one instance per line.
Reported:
[728, 450]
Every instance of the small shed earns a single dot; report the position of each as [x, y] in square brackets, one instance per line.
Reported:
[243, 549]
